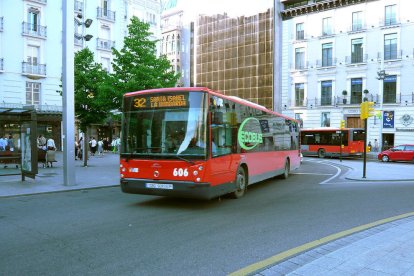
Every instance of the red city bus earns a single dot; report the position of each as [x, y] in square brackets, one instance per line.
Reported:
[195, 142]
[326, 142]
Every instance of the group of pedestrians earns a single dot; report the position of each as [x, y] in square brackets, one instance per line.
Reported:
[96, 147]
[7, 143]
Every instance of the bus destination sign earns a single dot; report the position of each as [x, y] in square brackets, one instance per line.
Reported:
[161, 101]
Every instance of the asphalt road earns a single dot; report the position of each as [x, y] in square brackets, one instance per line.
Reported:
[106, 232]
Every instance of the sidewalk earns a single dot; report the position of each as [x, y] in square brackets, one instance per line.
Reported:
[102, 171]
[375, 170]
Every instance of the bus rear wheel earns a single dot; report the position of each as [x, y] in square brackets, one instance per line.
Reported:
[240, 184]
[286, 172]
[321, 153]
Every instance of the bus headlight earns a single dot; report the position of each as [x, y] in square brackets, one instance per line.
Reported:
[195, 173]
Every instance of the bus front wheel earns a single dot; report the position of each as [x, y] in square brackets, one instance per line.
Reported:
[321, 153]
[240, 183]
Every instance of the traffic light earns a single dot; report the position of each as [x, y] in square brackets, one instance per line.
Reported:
[364, 110]
[371, 109]
[342, 124]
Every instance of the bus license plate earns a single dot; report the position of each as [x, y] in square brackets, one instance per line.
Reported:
[159, 186]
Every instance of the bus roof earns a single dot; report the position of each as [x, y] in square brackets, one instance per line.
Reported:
[213, 92]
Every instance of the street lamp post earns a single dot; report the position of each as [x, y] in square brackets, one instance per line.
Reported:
[68, 98]
[381, 76]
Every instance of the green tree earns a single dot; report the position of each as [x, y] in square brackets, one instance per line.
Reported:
[93, 93]
[136, 66]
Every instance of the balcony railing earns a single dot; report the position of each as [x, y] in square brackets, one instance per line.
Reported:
[300, 102]
[106, 14]
[389, 22]
[1, 24]
[33, 69]
[1, 64]
[104, 44]
[327, 33]
[299, 35]
[330, 62]
[356, 99]
[44, 2]
[300, 66]
[34, 30]
[391, 55]
[357, 28]
[356, 59]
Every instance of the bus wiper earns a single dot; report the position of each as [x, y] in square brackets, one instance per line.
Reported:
[184, 159]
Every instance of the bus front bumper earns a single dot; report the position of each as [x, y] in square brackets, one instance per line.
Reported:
[174, 188]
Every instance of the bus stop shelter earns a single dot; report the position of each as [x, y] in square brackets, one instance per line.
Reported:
[19, 123]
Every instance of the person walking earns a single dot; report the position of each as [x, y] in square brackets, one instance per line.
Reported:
[76, 149]
[113, 145]
[50, 144]
[41, 142]
[100, 147]
[50, 152]
[93, 144]
[106, 144]
[375, 145]
[80, 150]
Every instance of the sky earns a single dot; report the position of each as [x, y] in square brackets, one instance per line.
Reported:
[231, 7]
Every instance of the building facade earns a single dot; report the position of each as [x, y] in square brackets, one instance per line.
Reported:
[31, 50]
[235, 55]
[338, 53]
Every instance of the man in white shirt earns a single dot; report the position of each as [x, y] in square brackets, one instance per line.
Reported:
[3, 144]
[93, 145]
[50, 144]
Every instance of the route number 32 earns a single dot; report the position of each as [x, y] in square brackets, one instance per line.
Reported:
[180, 172]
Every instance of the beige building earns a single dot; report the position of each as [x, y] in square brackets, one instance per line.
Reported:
[235, 55]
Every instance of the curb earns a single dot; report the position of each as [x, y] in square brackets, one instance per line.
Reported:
[61, 191]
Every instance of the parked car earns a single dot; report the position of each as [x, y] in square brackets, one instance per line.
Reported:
[398, 153]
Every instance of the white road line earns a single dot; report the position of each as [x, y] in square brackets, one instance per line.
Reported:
[338, 171]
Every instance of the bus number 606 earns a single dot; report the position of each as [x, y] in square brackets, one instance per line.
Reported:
[180, 172]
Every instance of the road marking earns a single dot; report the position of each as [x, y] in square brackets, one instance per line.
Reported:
[338, 171]
[307, 246]
[315, 173]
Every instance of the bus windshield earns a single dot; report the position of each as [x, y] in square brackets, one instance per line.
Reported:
[168, 125]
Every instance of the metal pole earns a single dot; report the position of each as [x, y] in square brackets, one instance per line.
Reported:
[340, 147]
[68, 96]
[365, 148]
[381, 99]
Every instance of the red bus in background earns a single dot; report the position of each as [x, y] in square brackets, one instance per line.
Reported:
[195, 142]
[325, 142]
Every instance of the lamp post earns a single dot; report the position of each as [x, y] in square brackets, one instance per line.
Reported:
[68, 98]
[381, 76]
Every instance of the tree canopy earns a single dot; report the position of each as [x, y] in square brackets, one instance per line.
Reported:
[93, 93]
[136, 66]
